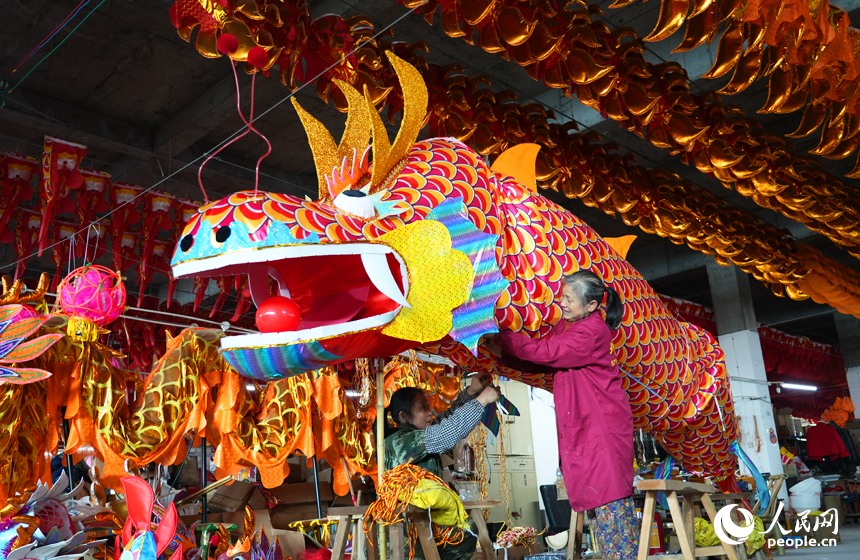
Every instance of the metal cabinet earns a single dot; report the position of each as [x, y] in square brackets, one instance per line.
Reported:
[516, 434]
[519, 461]
[522, 491]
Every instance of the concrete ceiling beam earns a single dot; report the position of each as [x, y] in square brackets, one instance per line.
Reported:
[192, 123]
[44, 115]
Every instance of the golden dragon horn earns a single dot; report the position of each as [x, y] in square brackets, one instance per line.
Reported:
[356, 135]
[362, 120]
[386, 155]
[12, 290]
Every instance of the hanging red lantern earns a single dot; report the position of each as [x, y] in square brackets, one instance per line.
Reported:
[125, 202]
[155, 218]
[60, 174]
[91, 198]
[16, 174]
[26, 236]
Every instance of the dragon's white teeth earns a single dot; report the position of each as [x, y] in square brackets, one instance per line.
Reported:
[376, 267]
[283, 289]
[258, 283]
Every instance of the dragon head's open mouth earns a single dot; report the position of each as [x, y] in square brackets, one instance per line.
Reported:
[357, 298]
[340, 289]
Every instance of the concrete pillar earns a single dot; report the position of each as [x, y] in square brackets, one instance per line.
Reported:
[849, 341]
[738, 336]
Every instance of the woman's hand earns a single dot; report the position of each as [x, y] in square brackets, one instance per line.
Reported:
[488, 395]
[479, 382]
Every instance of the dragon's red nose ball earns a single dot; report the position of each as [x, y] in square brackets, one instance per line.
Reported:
[278, 314]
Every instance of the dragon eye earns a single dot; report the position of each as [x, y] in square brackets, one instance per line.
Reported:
[186, 243]
[223, 234]
[355, 202]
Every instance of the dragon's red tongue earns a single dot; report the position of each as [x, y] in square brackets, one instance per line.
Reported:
[278, 314]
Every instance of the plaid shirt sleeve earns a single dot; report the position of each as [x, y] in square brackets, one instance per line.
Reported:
[462, 398]
[445, 434]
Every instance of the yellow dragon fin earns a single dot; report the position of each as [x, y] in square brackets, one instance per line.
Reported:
[519, 163]
[621, 244]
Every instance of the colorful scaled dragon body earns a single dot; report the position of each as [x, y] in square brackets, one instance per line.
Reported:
[424, 248]
[429, 247]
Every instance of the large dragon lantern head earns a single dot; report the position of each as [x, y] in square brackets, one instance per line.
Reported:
[394, 253]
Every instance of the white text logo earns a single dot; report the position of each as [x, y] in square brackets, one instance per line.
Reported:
[810, 529]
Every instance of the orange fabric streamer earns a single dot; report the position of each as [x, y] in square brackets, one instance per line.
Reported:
[395, 492]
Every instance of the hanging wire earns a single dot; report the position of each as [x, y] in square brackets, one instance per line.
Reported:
[249, 124]
[58, 45]
[230, 138]
[192, 321]
[51, 35]
[157, 312]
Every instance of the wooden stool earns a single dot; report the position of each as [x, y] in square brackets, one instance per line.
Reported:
[574, 535]
[421, 519]
[682, 518]
[476, 511]
[574, 539]
[345, 517]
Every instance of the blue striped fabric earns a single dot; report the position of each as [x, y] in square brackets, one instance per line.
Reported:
[278, 362]
[475, 317]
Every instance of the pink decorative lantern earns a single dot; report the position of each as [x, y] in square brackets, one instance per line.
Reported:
[26, 312]
[94, 293]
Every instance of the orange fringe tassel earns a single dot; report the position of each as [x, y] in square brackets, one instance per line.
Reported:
[394, 495]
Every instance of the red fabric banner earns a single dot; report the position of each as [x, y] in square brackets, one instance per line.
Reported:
[787, 358]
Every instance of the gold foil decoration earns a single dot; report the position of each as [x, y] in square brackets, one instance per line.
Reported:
[362, 121]
[356, 134]
[440, 279]
[80, 328]
[12, 290]
[385, 155]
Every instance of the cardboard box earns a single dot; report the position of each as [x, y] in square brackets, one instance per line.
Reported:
[292, 542]
[257, 501]
[298, 470]
[230, 497]
[189, 472]
[302, 493]
[283, 515]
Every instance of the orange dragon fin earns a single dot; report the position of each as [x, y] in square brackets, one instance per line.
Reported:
[519, 163]
[621, 244]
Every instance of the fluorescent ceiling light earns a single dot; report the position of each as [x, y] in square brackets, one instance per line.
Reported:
[798, 386]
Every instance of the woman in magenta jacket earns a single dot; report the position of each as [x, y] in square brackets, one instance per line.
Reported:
[595, 423]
